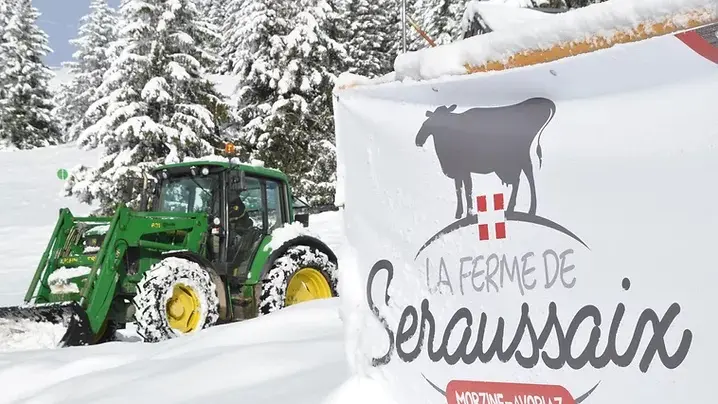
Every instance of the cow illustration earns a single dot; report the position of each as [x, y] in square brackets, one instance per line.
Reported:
[488, 140]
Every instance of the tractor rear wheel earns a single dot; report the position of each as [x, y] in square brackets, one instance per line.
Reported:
[175, 297]
[301, 274]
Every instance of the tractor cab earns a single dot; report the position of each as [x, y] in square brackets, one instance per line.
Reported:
[243, 203]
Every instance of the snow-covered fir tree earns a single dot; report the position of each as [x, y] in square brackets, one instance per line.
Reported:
[234, 34]
[160, 108]
[442, 19]
[414, 41]
[214, 13]
[375, 33]
[91, 60]
[414, 10]
[340, 27]
[259, 27]
[372, 44]
[287, 69]
[217, 11]
[250, 28]
[301, 124]
[26, 105]
[4, 18]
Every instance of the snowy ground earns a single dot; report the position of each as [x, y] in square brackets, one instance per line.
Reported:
[296, 355]
[29, 205]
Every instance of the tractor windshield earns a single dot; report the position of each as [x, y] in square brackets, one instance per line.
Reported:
[190, 194]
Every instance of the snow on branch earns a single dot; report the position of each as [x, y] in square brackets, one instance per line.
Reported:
[156, 90]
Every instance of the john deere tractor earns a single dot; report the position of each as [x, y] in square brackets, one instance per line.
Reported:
[199, 252]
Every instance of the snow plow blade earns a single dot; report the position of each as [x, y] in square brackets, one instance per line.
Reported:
[15, 321]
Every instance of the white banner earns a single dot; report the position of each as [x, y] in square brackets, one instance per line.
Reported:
[539, 235]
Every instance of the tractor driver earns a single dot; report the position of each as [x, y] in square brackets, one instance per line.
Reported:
[242, 231]
[239, 220]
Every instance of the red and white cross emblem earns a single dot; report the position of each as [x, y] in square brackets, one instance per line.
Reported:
[495, 218]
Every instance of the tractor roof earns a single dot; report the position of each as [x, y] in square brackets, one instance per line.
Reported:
[249, 168]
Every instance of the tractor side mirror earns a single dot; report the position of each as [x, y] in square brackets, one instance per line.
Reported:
[147, 191]
[302, 218]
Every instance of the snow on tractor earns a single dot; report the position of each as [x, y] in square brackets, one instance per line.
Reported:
[200, 252]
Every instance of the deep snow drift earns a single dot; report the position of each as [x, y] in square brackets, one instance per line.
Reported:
[295, 355]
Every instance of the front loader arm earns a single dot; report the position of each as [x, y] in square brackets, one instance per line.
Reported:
[130, 229]
[56, 246]
[76, 284]
[96, 296]
[64, 221]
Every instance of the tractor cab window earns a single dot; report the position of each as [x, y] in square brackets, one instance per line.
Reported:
[274, 205]
[246, 220]
[251, 197]
[190, 194]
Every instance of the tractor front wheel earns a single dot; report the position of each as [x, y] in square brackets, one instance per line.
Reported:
[175, 297]
[301, 274]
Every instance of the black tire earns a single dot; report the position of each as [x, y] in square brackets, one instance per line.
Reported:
[275, 281]
[155, 289]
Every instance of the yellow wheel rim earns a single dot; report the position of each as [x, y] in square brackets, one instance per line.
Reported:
[183, 309]
[307, 284]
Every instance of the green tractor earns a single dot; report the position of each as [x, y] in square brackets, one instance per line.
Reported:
[200, 251]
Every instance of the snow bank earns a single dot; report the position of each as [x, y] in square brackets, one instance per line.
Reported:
[24, 335]
[288, 232]
[552, 37]
[516, 3]
[347, 80]
[361, 390]
[6, 146]
[502, 15]
[540, 212]
[291, 356]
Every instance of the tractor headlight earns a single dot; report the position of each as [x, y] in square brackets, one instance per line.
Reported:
[165, 175]
[216, 221]
[205, 171]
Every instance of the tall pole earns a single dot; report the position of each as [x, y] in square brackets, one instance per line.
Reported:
[403, 26]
